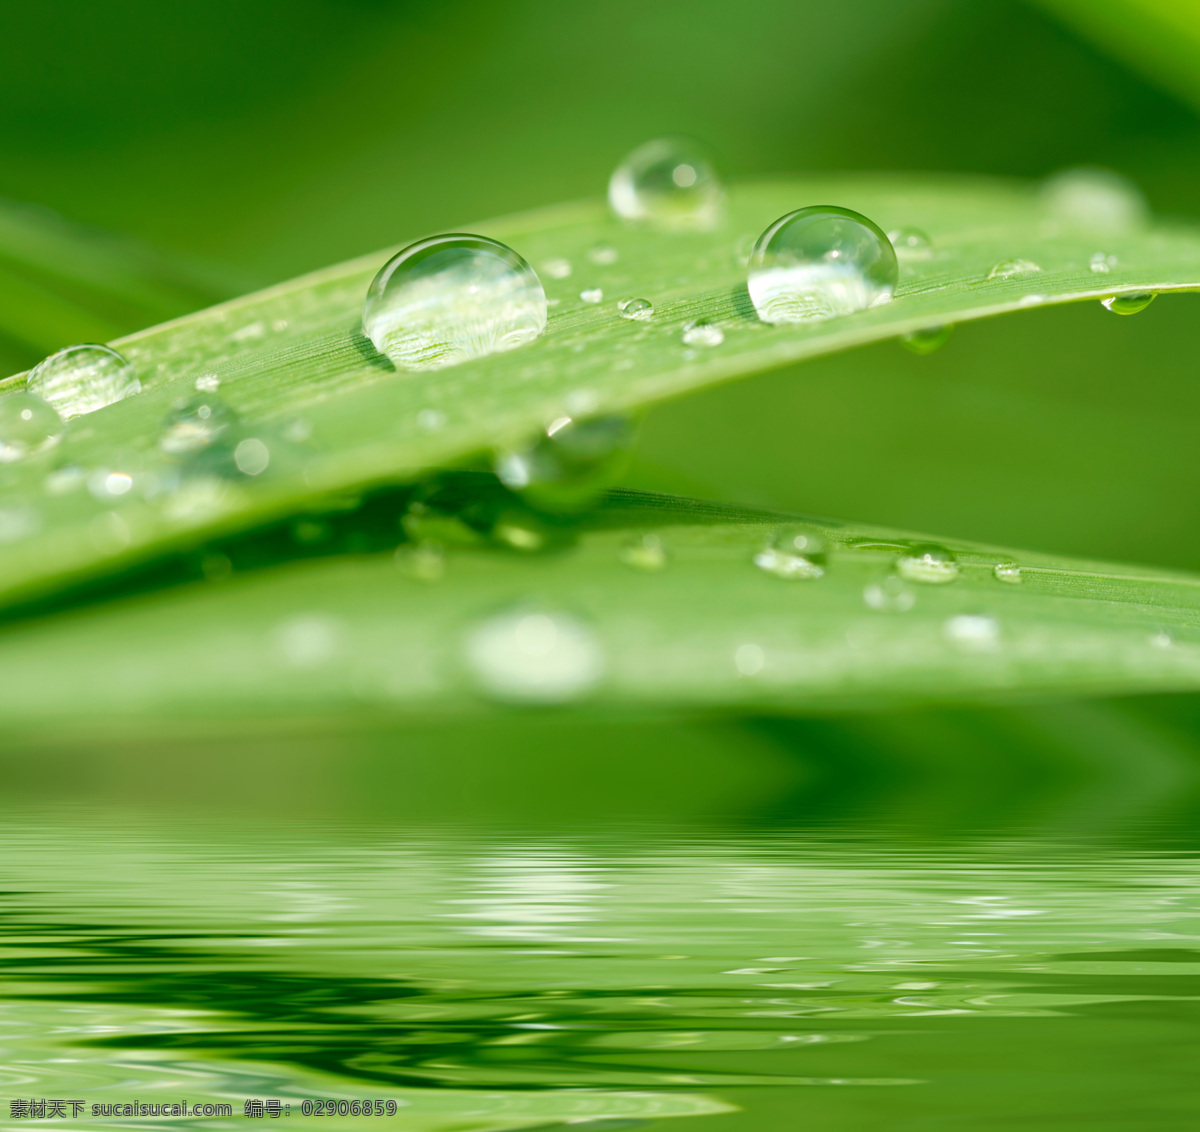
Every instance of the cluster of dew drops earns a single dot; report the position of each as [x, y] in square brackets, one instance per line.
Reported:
[455, 297]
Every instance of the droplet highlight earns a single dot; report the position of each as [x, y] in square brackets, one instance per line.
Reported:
[535, 657]
[1007, 572]
[640, 309]
[82, 379]
[644, 552]
[449, 299]
[701, 332]
[1010, 268]
[794, 554]
[27, 425]
[1128, 304]
[971, 632]
[196, 424]
[818, 263]
[1102, 264]
[667, 183]
[927, 563]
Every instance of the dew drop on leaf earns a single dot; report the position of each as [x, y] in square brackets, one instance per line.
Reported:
[195, 424]
[603, 254]
[1128, 304]
[794, 554]
[592, 295]
[927, 563]
[911, 243]
[972, 632]
[749, 659]
[818, 263]
[667, 183]
[640, 309]
[1101, 263]
[82, 379]
[534, 656]
[644, 552]
[1009, 268]
[1097, 200]
[701, 332]
[449, 299]
[928, 340]
[27, 425]
[1008, 572]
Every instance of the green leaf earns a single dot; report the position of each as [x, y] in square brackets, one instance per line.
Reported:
[707, 627]
[338, 418]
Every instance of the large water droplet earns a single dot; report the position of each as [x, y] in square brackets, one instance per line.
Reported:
[195, 424]
[928, 340]
[448, 299]
[820, 262]
[27, 425]
[794, 553]
[571, 465]
[1095, 199]
[640, 309]
[528, 656]
[669, 183]
[928, 563]
[701, 332]
[1128, 304]
[911, 243]
[1010, 268]
[82, 379]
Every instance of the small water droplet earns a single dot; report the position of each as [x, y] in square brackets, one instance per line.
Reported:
[911, 243]
[431, 420]
[557, 268]
[644, 552]
[27, 425]
[892, 595]
[1009, 268]
[1102, 264]
[972, 632]
[668, 183]
[640, 309]
[571, 465]
[207, 383]
[1162, 640]
[603, 254]
[818, 263]
[308, 640]
[195, 424]
[251, 456]
[749, 659]
[701, 332]
[527, 656]
[927, 563]
[449, 299]
[927, 340]
[1095, 199]
[592, 295]
[82, 379]
[794, 553]
[521, 530]
[1128, 304]
[105, 484]
[249, 332]
[1008, 572]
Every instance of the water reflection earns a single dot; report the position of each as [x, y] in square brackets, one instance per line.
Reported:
[496, 980]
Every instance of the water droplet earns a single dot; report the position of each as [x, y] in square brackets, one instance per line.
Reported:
[928, 340]
[1096, 199]
[928, 563]
[603, 254]
[105, 484]
[82, 379]
[1008, 572]
[1162, 640]
[892, 595]
[207, 383]
[794, 553]
[308, 641]
[1128, 304]
[249, 332]
[527, 656]
[571, 465]
[820, 262]
[644, 552]
[668, 183]
[251, 456]
[701, 332]
[911, 243]
[449, 299]
[592, 295]
[431, 420]
[27, 425]
[195, 424]
[557, 268]
[972, 632]
[1009, 268]
[640, 309]
[749, 659]
[1102, 264]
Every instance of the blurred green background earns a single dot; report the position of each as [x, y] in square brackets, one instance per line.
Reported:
[248, 142]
